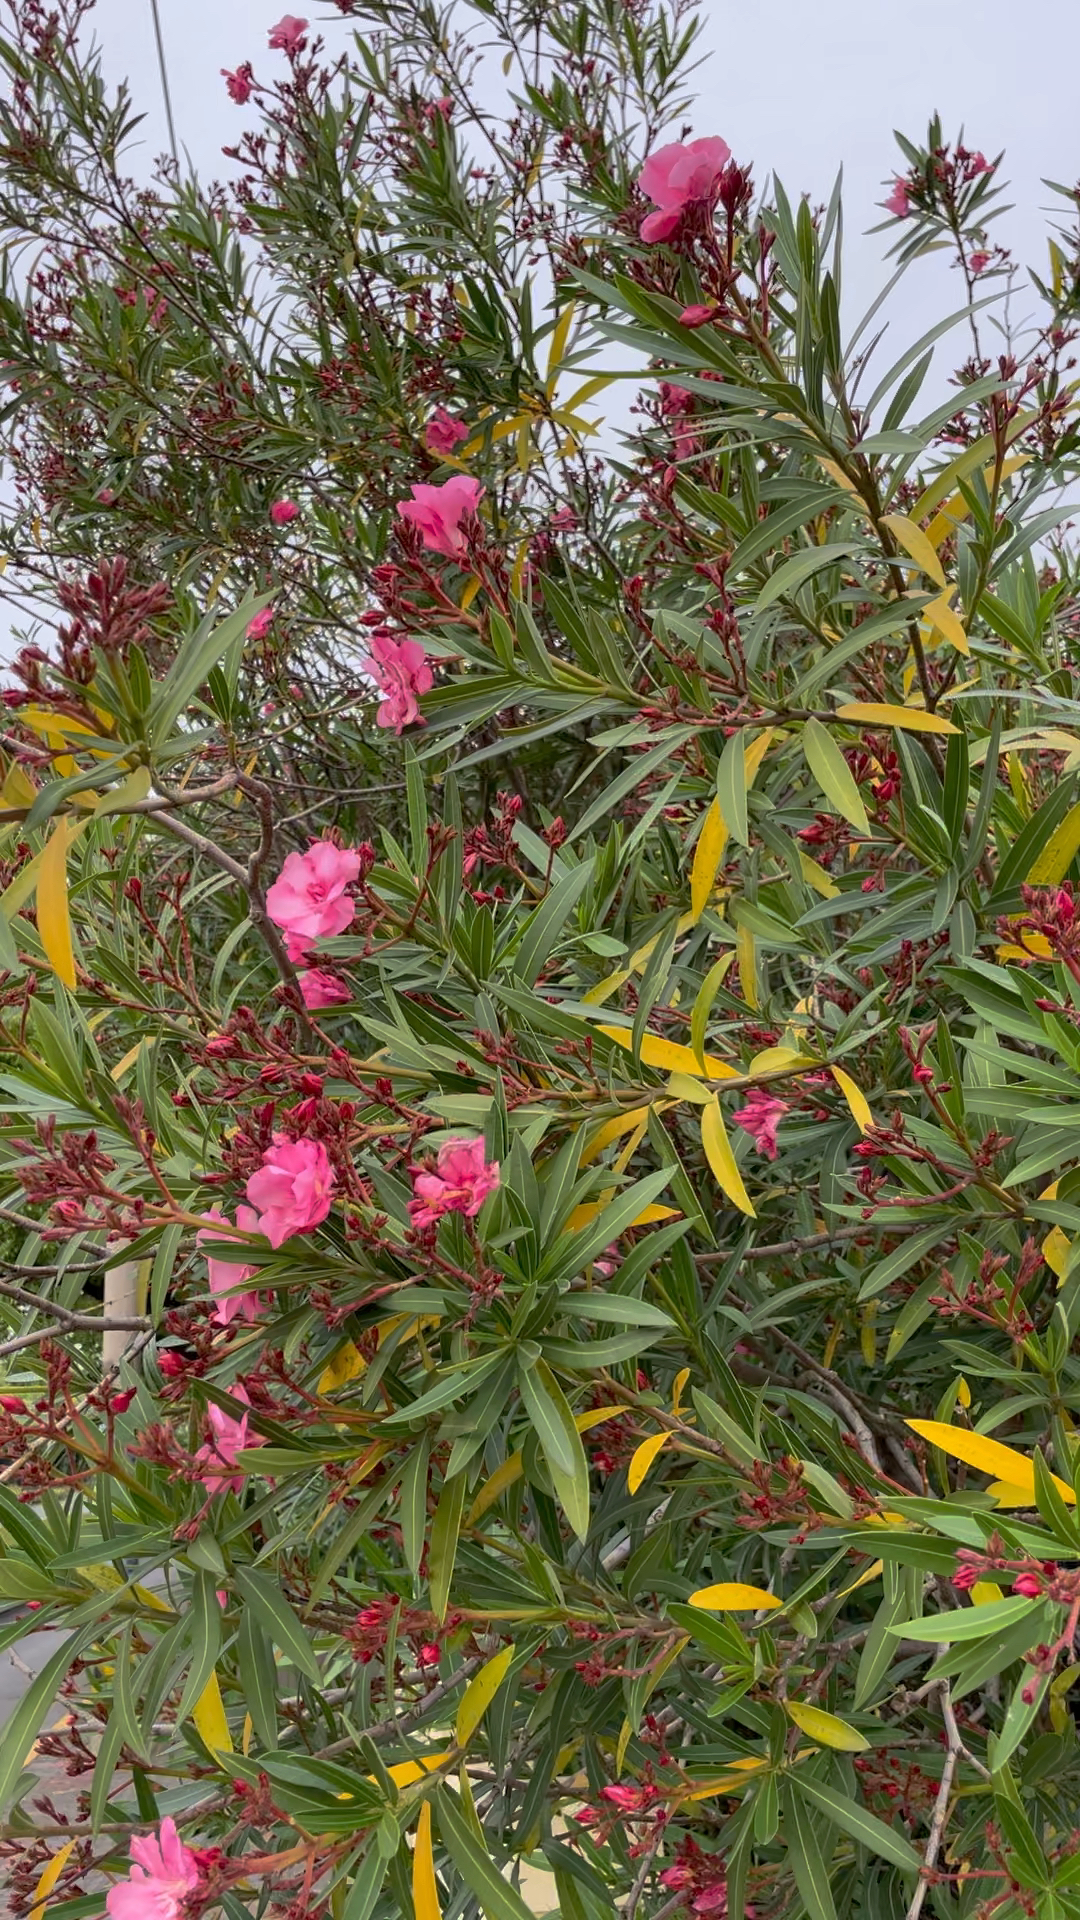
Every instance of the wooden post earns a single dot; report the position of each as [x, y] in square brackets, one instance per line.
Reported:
[121, 1284]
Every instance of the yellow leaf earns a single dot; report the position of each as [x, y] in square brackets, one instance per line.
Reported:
[405, 1773]
[208, 1714]
[816, 877]
[721, 1159]
[985, 1592]
[1056, 1249]
[733, 1596]
[472, 588]
[1007, 1496]
[49, 1876]
[347, 1364]
[559, 338]
[956, 508]
[915, 545]
[425, 1889]
[612, 1130]
[754, 753]
[963, 1392]
[707, 857]
[872, 1572]
[744, 948]
[604, 989]
[247, 1736]
[656, 1052]
[650, 1214]
[679, 1388]
[977, 1450]
[18, 789]
[1054, 860]
[773, 1058]
[857, 1101]
[625, 1733]
[946, 621]
[643, 1457]
[53, 917]
[825, 1728]
[731, 1782]
[913, 719]
[480, 1693]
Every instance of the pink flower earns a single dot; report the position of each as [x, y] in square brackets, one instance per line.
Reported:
[980, 164]
[224, 1275]
[673, 399]
[564, 520]
[228, 1437]
[288, 35]
[898, 202]
[460, 1184]
[240, 83]
[627, 1799]
[120, 1402]
[401, 672]
[444, 433]
[293, 1189]
[163, 1873]
[308, 898]
[1028, 1584]
[760, 1118]
[320, 988]
[697, 316]
[282, 511]
[679, 177]
[437, 512]
[261, 625]
[979, 261]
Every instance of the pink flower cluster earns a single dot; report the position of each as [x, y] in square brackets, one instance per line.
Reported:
[288, 35]
[760, 1118]
[162, 1875]
[218, 1455]
[438, 513]
[400, 670]
[239, 83]
[224, 1276]
[678, 178]
[308, 900]
[283, 511]
[444, 434]
[459, 1183]
[293, 1190]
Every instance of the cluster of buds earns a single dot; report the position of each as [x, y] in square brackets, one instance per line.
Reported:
[370, 1630]
[1035, 1580]
[1049, 928]
[701, 1878]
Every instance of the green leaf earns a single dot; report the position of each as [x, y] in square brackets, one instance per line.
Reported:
[278, 1619]
[804, 1856]
[834, 776]
[497, 1899]
[444, 1539]
[854, 1819]
[791, 574]
[20, 1728]
[966, 1623]
[544, 925]
[560, 1442]
[194, 659]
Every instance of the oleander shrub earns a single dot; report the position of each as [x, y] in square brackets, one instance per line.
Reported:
[540, 986]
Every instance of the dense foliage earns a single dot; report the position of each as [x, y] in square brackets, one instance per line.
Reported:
[540, 1039]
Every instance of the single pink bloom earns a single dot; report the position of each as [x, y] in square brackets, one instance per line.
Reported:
[460, 1184]
[228, 1438]
[697, 316]
[240, 83]
[282, 511]
[288, 35]
[162, 1875]
[261, 625]
[107, 497]
[760, 1118]
[564, 520]
[1028, 1584]
[444, 105]
[223, 1275]
[221, 1596]
[714, 1900]
[437, 512]
[979, 261]
[898, 202]
[120, 1402]
[676, 1877]
[673, 399]
[444, 433]
[678, 177]
[627, 1799]
[319, 988]
[980, 164]
[400, 670]
[428, 1655]
[309, 899]
[293, 1190]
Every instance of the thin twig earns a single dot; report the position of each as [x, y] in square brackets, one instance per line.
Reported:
[941, 1805]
